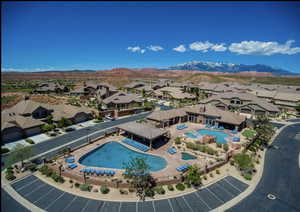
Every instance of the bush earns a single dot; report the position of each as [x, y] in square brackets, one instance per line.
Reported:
[218, 171]
[32, 167]
[219, 145]
[232, 162]
[9, 176]
[257, 161]
[160, 190]
[188, 185]
[149, 192]
[85, 187]
[205, 177]
[180, 187]
[177, 140]
[131, 190]
[71, 181]
[170, 188]
[4, 150]
[30, 141]
[104, 189]
[122, 191]
[98, 121]
[211, 174]
[77, 185]
[225, 147]
[248, 176]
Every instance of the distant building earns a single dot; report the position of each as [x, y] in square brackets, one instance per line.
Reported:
[48, 88]
[122, 100]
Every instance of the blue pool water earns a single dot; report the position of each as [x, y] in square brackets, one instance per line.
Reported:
[187, 156]
[191, 135]
[114, 155]
[220, 135]
[164, 107]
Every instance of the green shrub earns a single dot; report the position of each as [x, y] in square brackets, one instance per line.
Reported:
[131, 190]
[124, 192]
[71, 181]
[231, 162]
[30, 141]
[85, 187]
[177, 140]
[225, 147]
[77, 185]
[4, 150]
[205, 177]
[218, 171]
[170, 188]
[211, 174]
[248, 176]
[149, 192]
[188, 185]
[160, 190]
[10, 176]
[257, 161]
[104, 189]
[180, 187]
[219, 145]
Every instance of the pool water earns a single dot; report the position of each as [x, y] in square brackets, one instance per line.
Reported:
[187, 156]
[191, 135]
[164, 107]
[114, 155]
[220, 135]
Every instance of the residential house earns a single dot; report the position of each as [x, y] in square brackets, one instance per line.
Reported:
[122, 100]
[51, 87]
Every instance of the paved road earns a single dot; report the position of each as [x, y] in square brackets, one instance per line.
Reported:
[281, 177]
[51, 199]
[81, 133]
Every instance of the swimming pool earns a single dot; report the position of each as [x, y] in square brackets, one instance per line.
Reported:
[220, 135]
[191, 135]
[114, 155]
[187, 156]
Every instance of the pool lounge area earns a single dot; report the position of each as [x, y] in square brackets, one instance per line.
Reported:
[220, 136]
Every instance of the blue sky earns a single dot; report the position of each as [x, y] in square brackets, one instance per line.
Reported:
[104, 35]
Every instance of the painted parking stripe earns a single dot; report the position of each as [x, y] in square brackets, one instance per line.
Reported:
[55, 200]
[232, 185]
[214, 195]
[102, 206]
[37, 188]
[203, 201]
[136, 209]
[225, 190]
[187, 203]
[153, 206]
[24, 186]
[68, 205]
[120, 206]
[44, 195]
[170, 205]
[83, 209]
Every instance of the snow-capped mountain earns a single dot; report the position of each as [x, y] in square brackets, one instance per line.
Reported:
[228, 67]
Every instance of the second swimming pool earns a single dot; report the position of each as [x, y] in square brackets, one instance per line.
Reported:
[220, 135]
[115, 155]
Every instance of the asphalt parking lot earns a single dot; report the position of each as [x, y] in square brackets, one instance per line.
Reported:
[51, 199]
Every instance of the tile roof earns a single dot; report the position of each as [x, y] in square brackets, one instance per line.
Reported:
[122, 98]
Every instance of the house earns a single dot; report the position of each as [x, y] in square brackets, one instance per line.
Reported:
[122, 100]
[47, 88]
[172, 93]
[204, 114]
[26, 118]
[242, 102]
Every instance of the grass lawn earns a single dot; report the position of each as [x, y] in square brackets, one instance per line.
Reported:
[8, 99]
[248, 133]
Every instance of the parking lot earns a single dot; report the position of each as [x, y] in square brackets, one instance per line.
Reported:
[51, 199]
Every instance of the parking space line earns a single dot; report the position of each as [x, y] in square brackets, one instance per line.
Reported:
[37, 188]
[170, 205]
[44, 195]
[187, 203]
[203, 201]
[86, 204]
[153, 206]
[69, 203]
[54, 201]
[214, 195]
[225, 190]
[102, 206]
[136, 207]
[120, 206]
[232, 185]
[24, 186]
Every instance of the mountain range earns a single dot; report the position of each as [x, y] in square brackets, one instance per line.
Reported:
[229, 68]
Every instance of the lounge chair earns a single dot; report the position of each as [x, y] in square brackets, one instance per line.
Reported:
[72, 166]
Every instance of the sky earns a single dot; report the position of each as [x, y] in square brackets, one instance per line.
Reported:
[40, 36]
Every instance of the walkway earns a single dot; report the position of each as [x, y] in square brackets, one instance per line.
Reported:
[49, 198]
[281, 177]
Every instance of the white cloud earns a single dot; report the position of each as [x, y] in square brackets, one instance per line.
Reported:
[180, 48]
[155, 48]
[264, 48]
[219, 47]
[206, 46]
[136, 49]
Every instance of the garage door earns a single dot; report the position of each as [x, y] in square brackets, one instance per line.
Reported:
[81, 117]
[12, 134]
[33, 131]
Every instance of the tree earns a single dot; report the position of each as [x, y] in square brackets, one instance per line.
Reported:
[63, 122]
[137, 170]
[193, 176]
[47, 127]
[49, 119]
[264, 131]
[297, 108]
[19, 153]
[244, 162]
